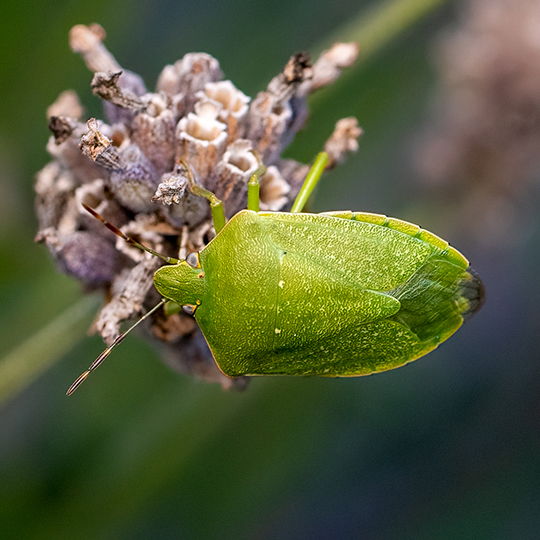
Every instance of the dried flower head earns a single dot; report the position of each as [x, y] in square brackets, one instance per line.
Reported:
[486, 134]
[131, 169]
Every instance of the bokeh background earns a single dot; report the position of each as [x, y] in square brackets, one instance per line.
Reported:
[447, 447]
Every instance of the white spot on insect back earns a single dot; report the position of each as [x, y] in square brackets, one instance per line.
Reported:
[281, 283]
[277, 331]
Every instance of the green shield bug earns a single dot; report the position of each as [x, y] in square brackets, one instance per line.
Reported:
[335, 294]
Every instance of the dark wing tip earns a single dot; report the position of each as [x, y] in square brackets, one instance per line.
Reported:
[473, 290]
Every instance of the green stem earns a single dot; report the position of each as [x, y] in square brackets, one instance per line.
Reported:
[310, 182]
[375, 28]
[33, 357]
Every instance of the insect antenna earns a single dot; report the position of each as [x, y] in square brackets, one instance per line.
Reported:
[103, 356]
[118, 232]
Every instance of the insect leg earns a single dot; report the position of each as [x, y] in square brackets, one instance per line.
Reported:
[310, 182]
[253, 189]
[216, 205]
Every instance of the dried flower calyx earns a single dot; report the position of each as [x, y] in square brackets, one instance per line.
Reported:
[131, 169]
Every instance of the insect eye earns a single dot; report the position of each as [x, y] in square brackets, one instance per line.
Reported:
[193, 260]
[189, 309]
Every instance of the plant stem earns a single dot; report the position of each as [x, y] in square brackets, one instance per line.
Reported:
[35, 355]
[379, 25]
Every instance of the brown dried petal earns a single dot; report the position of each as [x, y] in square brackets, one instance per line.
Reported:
[62, 128]
[98, 147]
[106, 86]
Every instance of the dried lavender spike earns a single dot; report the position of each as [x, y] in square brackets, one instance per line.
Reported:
[126, 168]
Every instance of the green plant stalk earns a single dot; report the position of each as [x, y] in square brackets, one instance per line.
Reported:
[35, 355]
[377, 26]
[372, 30]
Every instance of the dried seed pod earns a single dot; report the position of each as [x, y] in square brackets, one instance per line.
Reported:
[188, 76]
[54, 189]
[231, 174]
[274, 190]
[234, 103]
[132, 176]
[106, 85]
[90, 258]
[201, 138]
[153, 132]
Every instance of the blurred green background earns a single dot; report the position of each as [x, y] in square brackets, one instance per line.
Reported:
[446, 448]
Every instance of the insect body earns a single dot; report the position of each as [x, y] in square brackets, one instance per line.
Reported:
[322, 294]
[332, 294]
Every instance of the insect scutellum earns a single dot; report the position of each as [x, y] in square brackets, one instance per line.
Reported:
[185, 274]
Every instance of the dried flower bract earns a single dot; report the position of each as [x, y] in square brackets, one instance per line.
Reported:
[132, 169]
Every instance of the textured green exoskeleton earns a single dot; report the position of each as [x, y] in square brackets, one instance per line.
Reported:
[335, 294]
